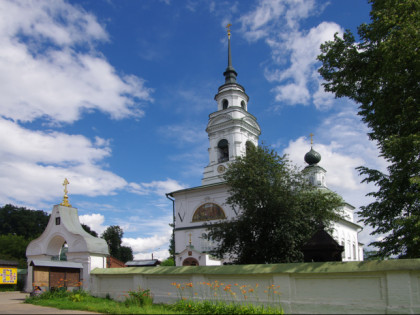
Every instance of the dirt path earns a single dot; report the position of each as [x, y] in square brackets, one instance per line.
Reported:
[12, 303]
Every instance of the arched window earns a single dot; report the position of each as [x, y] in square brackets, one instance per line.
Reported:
[208, 211]
[243, 104]
[225, 104]
[223, 148]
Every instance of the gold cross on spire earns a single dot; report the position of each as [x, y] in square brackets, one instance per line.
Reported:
[312, 140]
[228, 29]
[65, 202]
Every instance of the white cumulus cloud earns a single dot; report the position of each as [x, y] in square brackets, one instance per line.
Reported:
[95, 221]
[44, 72]
[156, 187]
[304, 49]
[34, 163]
[146, 244]
[293, 50]
[51, 71]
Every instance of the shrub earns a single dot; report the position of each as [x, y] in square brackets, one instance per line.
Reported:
[55, 292]
[141, 297]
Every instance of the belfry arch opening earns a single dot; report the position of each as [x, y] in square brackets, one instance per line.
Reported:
[223, 151]
[225, 104]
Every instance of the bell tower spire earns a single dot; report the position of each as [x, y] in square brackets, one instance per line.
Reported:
[230, 73]
[231, 128]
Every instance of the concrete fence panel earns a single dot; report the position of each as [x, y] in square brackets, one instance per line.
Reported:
[391, 286]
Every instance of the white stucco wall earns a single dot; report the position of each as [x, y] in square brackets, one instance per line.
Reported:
[186, 204]
[345, 234]
[97, 262]
[335, 287]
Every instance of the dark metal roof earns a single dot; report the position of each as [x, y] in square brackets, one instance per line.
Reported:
[54, 263]
[4, 262]
[143, 263]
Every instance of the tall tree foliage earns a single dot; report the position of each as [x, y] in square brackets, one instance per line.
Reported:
[21, 221]
[382, 74]
[278, 210]
[113, 236]
[171, 248]
[89, 230]
[13, 247]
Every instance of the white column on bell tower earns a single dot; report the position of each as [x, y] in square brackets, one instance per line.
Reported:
[230, 127]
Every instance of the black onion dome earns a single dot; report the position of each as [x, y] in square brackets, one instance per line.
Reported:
[312, 157]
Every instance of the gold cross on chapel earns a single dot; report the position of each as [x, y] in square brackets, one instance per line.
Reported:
[65, 202]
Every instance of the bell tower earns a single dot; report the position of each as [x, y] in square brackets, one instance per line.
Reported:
[231, 128]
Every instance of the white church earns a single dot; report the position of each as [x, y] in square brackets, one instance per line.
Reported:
[230, 130]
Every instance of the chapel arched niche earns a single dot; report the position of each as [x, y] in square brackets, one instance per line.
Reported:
[208, 211]
[55, 245]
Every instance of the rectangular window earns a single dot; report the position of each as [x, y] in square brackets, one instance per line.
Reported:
[57, 221]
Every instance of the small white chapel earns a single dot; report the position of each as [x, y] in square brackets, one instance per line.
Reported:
[231, 128]
[64, 254]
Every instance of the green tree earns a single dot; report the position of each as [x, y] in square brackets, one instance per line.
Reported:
[168, 262]
[279, 210]
[113, 236]
[89, 230]
[382, 73]
[171, 248]
[125, 254]
[21, 221]
[13, 247]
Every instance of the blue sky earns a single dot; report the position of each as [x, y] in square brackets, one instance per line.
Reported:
[115, 96]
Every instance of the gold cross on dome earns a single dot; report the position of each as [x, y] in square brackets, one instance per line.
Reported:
[312, 140]
[65, 202]
[228, 28]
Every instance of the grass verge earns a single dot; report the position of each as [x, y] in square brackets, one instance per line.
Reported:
[81, 300]
[84, 302]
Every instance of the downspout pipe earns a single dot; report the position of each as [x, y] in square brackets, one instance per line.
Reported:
[168, 195]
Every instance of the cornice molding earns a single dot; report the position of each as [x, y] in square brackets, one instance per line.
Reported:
[241, 123]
